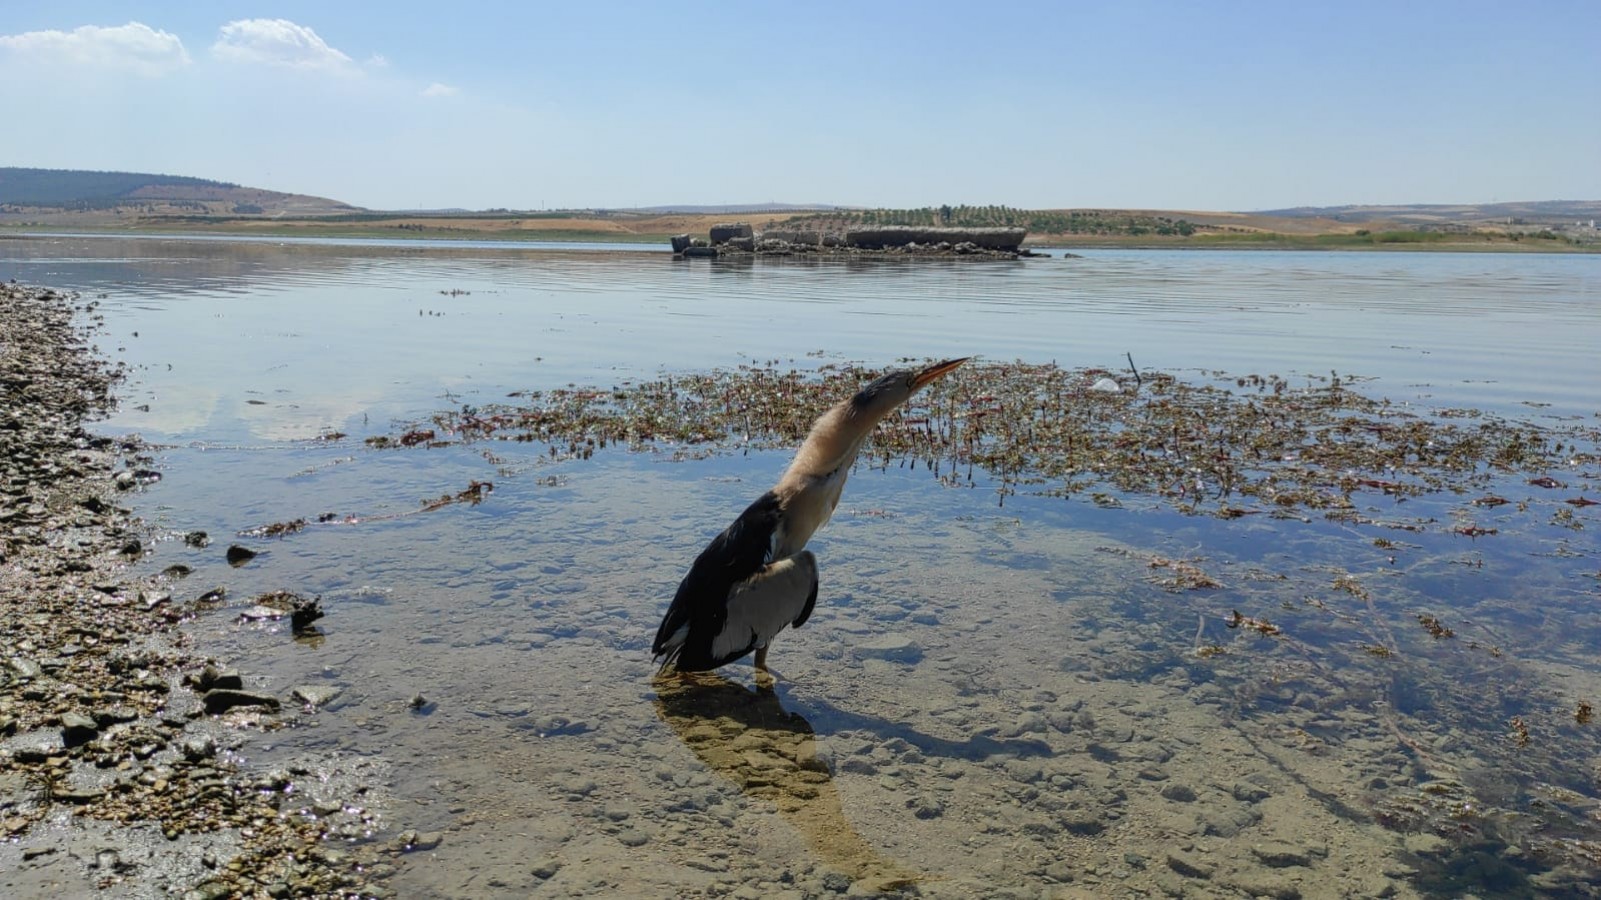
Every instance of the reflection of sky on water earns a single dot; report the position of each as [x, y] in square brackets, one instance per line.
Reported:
[545, 595]
[327, 333]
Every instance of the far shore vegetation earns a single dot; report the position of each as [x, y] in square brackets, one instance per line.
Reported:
[66, 200]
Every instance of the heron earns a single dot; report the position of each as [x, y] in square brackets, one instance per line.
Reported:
[756, 578]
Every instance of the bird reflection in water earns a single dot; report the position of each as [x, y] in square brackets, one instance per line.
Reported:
[770, 753]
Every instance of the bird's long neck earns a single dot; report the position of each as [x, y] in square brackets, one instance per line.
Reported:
[812, 484]
[833, 443]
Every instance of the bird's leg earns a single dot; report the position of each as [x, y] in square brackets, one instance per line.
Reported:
[764, 677]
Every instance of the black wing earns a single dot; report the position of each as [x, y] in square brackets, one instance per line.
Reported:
[701, 602]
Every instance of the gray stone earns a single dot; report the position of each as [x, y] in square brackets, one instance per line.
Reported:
[632, 838]
[77, 728]
[223, 699]
[315, 694]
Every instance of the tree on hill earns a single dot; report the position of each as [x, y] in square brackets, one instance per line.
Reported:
[75, 189]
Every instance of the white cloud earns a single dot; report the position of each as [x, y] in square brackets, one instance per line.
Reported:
[440, 90]
[277, 42]
[134, 47]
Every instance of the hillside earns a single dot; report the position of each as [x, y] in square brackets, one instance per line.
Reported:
[1537, 212]
[66, 196]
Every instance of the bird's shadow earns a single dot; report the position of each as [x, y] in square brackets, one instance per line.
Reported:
[770, 753]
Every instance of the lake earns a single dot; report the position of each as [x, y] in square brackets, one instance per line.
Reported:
[998, 695]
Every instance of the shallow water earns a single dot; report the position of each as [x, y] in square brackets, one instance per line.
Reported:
[1046, 723]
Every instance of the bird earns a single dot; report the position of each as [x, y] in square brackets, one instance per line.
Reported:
[756, 578]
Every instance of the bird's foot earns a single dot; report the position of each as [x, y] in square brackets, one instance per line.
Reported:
[765, 679]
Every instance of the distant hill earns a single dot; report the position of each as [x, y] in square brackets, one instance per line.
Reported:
[1533, 212]
[77, 191]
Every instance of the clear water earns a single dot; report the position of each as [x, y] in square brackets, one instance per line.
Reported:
[1052, 724]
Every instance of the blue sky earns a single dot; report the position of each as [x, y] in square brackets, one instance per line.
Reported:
[1176, 105]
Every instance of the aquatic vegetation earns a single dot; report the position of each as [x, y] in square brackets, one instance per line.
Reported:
[1228, 446]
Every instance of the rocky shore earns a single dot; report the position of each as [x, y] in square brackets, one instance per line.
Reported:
[116, 768]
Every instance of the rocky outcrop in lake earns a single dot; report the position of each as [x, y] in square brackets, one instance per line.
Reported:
[886, 240]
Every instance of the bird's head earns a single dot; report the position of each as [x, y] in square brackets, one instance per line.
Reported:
[883, 395]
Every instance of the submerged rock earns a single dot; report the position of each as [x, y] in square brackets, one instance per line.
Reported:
[895, 647]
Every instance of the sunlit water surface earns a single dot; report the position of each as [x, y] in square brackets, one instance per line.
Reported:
[989, 698]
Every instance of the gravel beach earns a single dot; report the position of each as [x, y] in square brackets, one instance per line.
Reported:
[116, 765]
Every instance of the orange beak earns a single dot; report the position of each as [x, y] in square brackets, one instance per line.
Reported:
[934, 372]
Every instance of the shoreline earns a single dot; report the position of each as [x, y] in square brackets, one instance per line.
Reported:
[115, 731]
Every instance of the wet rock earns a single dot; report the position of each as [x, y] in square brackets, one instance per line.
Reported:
[238, 556]
[223, 699]
[632, 838]
[303, 613]
[212, 677]
[199, 747]
[315, 694]
[926, 806]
